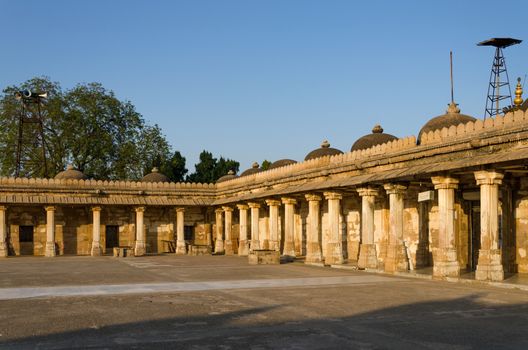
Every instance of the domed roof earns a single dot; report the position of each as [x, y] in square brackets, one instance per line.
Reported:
[376, 138]
[253, 170]
[281, 162]
[451, 117]
[325, 150]
[71, 174]
[230, 175]
[155, 176]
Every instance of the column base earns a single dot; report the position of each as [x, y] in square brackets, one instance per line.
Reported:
[274, 245]
[181, 248]
[219, 247]
[446, 263]
[396, 260]
[265, 244]
[4, 250]
[50, 251]
[255, 245]
[96, 249]
[228, 246]
[243, 248]
[423, 257]
[368, 258]
[140, 249]
[334, 254]
[489, 266]
[289, 249]
[353, 250]
[313, 253]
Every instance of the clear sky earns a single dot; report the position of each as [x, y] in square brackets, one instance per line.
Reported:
[253, 80]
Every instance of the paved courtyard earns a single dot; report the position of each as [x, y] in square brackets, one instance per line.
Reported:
[220, 302]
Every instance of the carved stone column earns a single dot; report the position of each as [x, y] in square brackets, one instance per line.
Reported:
[228, 244]
[289, 226]
[255, 209]
[50, 232]
[96, 232]
[141, 245]
[489, 266]
[396, 253]
[334, 247]
[243, 248]
[314, 254]
[3, 232]
[181, 248]
[274, 242]
[446, 258]
[368, 257]
[219, 243]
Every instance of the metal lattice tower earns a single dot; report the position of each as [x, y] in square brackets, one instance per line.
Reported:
[31, 139]
[499, 84]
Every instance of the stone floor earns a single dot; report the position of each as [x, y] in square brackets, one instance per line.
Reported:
[220, 302]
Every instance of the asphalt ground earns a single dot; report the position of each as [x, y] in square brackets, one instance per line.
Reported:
[221, 302]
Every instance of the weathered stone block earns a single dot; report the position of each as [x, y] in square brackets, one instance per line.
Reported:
[264, 257]
[199, 249]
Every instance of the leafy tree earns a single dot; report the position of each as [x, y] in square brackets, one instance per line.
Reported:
[265, 164]
[174, 168]
[209, 169]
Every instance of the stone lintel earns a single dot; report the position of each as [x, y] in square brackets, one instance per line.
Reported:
[488, 177]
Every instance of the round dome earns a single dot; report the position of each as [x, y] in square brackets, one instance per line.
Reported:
[71, 174]
[230, 175]
[451, 117]
[253, 170]
[376, 138]
[155, 176]
[281, 162]
[325, 150]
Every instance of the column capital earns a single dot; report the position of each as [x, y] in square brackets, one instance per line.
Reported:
[367, 191]
[242, 206]
[312, 197]
[50, 208]
[219, 211]
[254, 205]
[287, 200]
[395, 188]
[180, 210]
[139, 209]
[3, 207]
[227, 209]
[444, 182]
[333, 195]
[273, 202]
[488, 177]
[96, 208]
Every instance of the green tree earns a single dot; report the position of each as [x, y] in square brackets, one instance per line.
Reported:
[174, 168]
[209, 169]
[265, 164]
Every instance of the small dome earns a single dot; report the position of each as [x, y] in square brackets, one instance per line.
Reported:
[325, 150]
[452, 117]
[281, 162]
[230, 175]
[376, 138]
[255, 168]
[155, 176]
[70, 174]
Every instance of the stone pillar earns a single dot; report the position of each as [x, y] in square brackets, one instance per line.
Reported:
[181, 247]
[446, 258]
[334, 247]
[96, 232]
[228, 244]
[396, 259]
[489, 266]
[368, 257]
[50, 232]
[274, 242]
[141, 245]
[243, 248]
[289, 226]
[3, 232]
[219, 243]
[314, 254]
[255, 209]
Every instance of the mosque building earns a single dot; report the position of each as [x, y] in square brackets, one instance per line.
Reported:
[454, 198]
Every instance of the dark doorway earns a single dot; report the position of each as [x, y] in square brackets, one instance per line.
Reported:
[25, 237]
[112, 236]
[474, 237]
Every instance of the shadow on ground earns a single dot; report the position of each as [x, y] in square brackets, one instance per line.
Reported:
[463, 323]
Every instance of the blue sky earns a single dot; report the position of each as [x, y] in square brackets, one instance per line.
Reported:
[253, 80]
